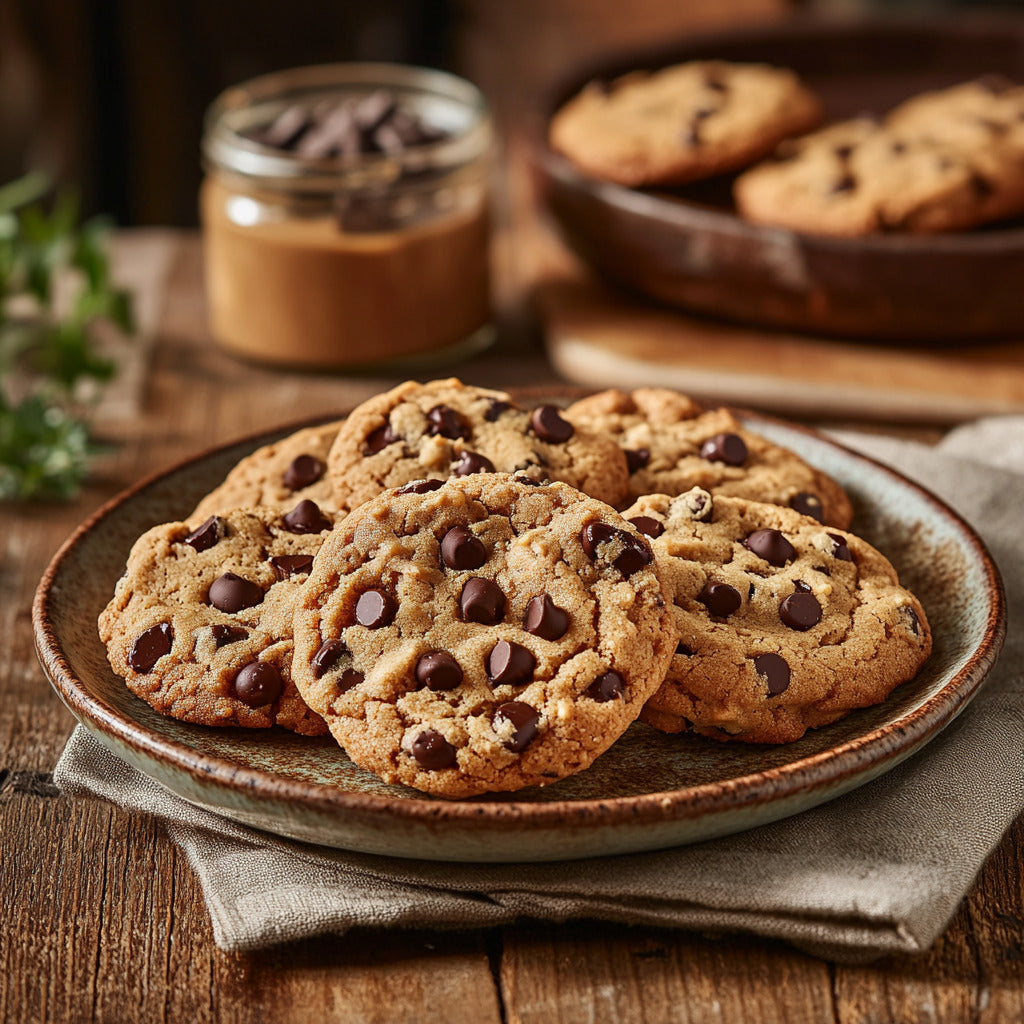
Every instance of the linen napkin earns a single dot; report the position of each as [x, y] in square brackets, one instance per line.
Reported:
[879, 870]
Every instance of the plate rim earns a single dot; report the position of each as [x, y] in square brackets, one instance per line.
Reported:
[813, 773]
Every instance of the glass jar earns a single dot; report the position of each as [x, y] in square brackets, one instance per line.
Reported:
[348, 261]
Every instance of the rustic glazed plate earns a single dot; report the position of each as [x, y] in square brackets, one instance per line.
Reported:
[688, 247]
[648, 791]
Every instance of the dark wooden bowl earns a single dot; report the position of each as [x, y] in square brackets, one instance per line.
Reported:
[688, 247]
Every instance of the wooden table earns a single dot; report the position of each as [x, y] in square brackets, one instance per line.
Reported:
[101, 918]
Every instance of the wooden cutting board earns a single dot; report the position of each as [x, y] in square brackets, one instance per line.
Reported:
[602, 337]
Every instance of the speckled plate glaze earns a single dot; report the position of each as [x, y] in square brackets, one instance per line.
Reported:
[647, 792]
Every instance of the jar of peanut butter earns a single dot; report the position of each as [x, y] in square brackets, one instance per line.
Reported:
[345, 216]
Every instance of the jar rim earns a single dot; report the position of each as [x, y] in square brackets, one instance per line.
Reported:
[225, 145]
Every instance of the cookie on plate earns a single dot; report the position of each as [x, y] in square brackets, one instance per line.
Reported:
[446, 428]
[943, 161]
[682, 123]
[671, 444]
[785, 625]
[200, 625]
[278, 475]
[481, 634]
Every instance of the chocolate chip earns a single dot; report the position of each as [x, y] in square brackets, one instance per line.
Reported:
[438, 670]
[446, 422]
[720, 599]
[290, 565]
[496, 408]
[648, 525]
[981, 186]
[432, 751]
[750, 592]
[375, 609]
[482, 600]
[326, 657]
[727, 448]
[637, 458]
[306, 517]
[150, 646]
[377, 440]
[685, 650]
[635, 553]
[548, 425]
[840, 549]
[807, 504]
[711, 82]
[843, 153]
[528, 481]
[510, 664]
[349, 678]
[420, 487]
[524, 720]
[545, 619]
[303, 471]
[801, 586]
[606, 687]
[913, 622]
[696, 503]
[225, 635]
[231, 593]
[462, 549]
[774, 671]
[800, 611]
[210, 533]
[772, 546]
[845, 183]
[472, 462]
[258, 684]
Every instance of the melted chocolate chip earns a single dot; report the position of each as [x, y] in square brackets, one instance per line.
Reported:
[438, 670]
[462, 549]
[225, 635]
[472, 462]
[377, 440]
[685, 650]
[349, 678]
[774, 670]
[524, 720]
[510, 664]
[727, 448]
[419, 487]
[432, 751]
[637, 458]
[483, 601]
[326, 657]
[232, 593]
[720, 599]
[150, 646]
[807, 504]
[306, 517]
[548, 424]
[772, 546]
[545, 619]
[208, 534]
[495, 409]
[800, 611]
[290, 565]
[840, 549]
[648, 525]
[375, 609]
[258, 684]
[446, 422]
[606, 687]
[304, 471]
[635, 553]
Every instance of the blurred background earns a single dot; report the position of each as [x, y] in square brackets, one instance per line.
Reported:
[109, 94]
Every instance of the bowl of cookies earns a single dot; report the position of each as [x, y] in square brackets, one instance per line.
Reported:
[861, 178]
[461, 624]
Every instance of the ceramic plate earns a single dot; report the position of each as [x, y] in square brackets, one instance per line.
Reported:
[649, 791]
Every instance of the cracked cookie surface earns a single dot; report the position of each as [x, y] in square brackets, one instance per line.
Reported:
[671, 444]
[483, 634]
[200, 625]
[784, 624]
[447, 428]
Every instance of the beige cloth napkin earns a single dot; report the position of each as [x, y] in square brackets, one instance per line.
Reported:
[879, 870]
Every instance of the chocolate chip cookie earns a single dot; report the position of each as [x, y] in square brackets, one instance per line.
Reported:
[942, 161]
[784, 624]
[278, 475]
[671, 445]
[481, 634]
[682, 123]
[200, 625]
[447, 428]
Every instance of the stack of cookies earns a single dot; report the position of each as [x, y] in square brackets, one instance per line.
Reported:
[471, 596]
[943, 161]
